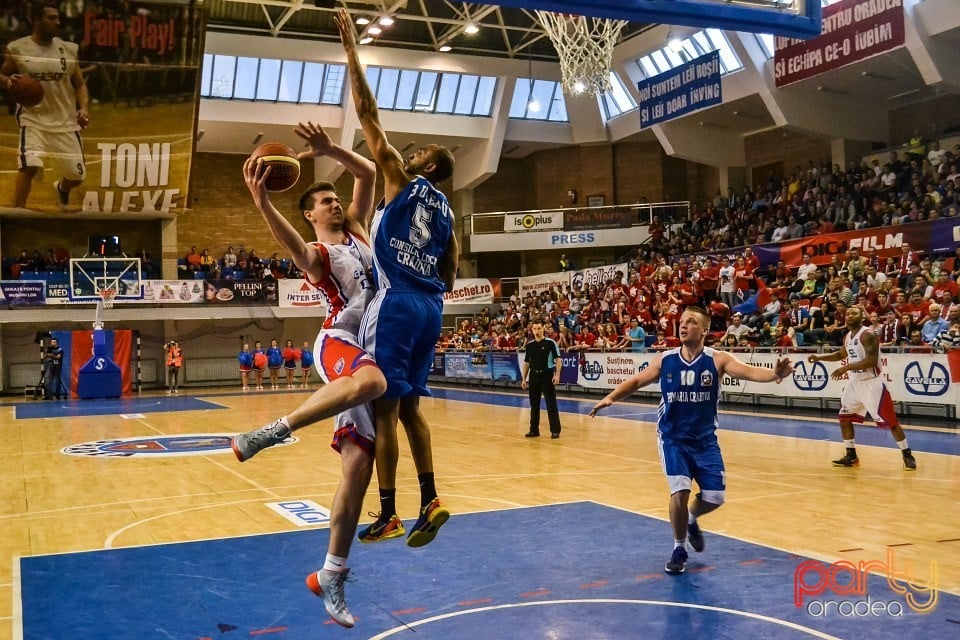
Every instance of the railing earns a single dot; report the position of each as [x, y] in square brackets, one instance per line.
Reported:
[641, 215]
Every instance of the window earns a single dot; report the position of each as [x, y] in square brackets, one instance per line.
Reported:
[538, 100]
[617, 101]
[700, 43]
[241, 78]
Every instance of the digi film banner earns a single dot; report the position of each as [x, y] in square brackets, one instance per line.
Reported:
[140, 62]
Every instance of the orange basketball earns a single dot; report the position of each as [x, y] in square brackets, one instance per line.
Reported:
[26, 90]
[283, 163]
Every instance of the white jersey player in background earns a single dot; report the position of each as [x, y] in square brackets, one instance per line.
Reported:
[865, 393]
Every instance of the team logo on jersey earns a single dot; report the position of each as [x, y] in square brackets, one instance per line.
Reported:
[338, 366]
[706, 379]
[197, 444]
[933, 382]
[810, 377]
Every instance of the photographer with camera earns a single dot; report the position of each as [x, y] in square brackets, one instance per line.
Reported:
[52, 364]
[174, 363]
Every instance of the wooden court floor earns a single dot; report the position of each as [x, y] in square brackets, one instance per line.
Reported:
[782, 491]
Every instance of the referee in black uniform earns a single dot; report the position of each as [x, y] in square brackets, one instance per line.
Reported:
[541, 371]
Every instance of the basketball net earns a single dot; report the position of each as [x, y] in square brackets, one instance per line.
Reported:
[105, 302]
[585, 46]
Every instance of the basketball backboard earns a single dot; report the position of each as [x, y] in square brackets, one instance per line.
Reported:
[791, 18]
[90, 275]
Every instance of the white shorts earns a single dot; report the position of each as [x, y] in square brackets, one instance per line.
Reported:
[337, 355]
[60, 151]
[868, 397]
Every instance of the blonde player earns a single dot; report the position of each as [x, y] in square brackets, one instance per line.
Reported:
[865, 393]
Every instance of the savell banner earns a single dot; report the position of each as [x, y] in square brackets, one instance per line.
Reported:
[853, 30]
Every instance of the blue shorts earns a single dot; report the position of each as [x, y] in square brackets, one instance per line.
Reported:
[683, 462]
[400, 330]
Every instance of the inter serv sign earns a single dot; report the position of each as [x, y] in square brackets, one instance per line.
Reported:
[533, 221]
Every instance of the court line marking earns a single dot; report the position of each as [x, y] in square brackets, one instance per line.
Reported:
[654, 407]
[16, 610]
[684, 605]
[813, 555]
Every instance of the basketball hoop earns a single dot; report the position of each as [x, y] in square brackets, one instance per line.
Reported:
[585, 46]
[106, 297]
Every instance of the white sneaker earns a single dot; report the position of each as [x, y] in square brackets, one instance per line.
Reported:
[329, 585]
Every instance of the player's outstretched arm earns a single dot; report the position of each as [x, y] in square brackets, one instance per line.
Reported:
[387, 157]
[364, 171]
[733, 366]
[636, 381]
[304, 255]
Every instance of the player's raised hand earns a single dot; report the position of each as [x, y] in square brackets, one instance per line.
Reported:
[255, 176]
[316, 138]
[348, 35]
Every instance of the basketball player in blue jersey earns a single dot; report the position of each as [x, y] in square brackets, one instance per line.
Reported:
[865, 392]
[687, 421]
[415, 260]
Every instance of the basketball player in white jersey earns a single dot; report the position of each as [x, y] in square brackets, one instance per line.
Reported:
[50, 130]
[338, 264]
[865, 393]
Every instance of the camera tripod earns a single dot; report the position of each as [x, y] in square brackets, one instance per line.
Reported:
[57, 390]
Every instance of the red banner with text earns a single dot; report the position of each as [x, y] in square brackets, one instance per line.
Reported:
[852, 30]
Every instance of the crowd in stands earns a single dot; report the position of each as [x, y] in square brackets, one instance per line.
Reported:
[911, 301]
[32, 264]
[236, 265]
[822, 199]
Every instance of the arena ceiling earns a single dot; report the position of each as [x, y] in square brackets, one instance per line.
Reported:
[423, 25]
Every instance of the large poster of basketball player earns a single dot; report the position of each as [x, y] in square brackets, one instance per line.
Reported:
[110, 128]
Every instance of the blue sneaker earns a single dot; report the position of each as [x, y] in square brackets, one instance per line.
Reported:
[678, 562]
[695, 537]
[432, 517]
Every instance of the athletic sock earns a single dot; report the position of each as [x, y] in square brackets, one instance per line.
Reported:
[428, 490]
[691, 519]
[334, 563]
[851, 447]
[388, 503]
[680, 543]
[903, 444]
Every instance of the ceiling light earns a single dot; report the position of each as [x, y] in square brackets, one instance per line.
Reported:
[444, 48]
[363, 21]
[366, 40]
[374, 30]
[579, 86]
[386, 21]
[471, 29]
[533, 106]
